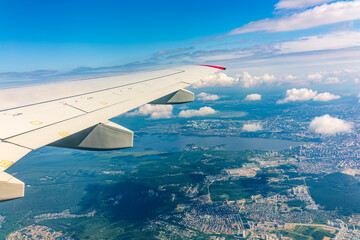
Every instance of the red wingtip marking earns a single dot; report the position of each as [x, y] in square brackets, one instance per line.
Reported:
[221, 68]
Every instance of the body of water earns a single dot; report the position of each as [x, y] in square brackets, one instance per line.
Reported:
[174, 143]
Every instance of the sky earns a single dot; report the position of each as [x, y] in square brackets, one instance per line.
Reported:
[260, 42]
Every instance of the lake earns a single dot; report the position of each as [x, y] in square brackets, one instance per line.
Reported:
[174, 143]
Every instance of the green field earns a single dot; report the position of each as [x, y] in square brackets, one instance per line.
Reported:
[306, 233]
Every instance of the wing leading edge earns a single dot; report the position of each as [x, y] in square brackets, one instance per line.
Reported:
[75, 114]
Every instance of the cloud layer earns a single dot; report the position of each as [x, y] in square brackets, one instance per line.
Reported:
[246, 80]
[328, 125]
[331, 41]
[296, 4]
[321, 15]
[204, 111]
[305, 94]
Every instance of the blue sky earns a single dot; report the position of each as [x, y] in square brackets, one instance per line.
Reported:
[65, 34]
[283, 38]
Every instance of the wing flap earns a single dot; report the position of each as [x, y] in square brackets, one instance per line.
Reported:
[10, 187]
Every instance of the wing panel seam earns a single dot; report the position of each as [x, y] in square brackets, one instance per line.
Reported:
[4, 141]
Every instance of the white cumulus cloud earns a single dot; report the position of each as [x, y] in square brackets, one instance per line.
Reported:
[336, 12]
[154, 111]
[253, 97]
[216, 79]
[204, 111]
[246, 80]
[299, 4]
[252, 127]
[326, 96]
[328, 125]
[304, 94]
[331, 41]
[315, 77]
[332, 80]
[207, 97]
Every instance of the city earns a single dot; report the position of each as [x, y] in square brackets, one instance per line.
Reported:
[214, 193]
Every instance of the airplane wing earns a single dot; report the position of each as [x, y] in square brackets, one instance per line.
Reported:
[74, 114]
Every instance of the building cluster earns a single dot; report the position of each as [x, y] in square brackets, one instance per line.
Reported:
[301, 193]
[213, 218]
[346, 232]
[340, 153]
[167, 230]
[37, 232]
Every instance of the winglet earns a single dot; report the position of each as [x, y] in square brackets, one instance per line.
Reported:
[218, 67]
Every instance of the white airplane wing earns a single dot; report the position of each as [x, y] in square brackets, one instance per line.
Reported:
[74, 114]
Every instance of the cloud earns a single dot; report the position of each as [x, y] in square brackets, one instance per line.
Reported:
[296, 4]
[332, 80]
[172, 51]
[328, 125]
[207, 97]
[253, 97]
[305, 94]
[333, 77]
[216, 79]
[155, 111]
[331, 41]
[294, 94]
[321, 15]
[211, 55]
[326, 96]
[246, 80]
[204, 111]
[252, 127]
[235, 55]
[315, 77]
